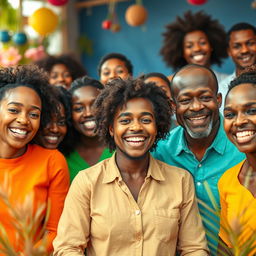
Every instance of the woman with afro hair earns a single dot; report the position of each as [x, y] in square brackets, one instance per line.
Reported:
[131, 203]
[194, 39]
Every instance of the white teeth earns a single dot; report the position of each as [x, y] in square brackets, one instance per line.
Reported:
[51, 138]
[197, 118]
[19, 131]
[246, 58]
[244, 133]
[135, 139]
[90, 124]
[198, 57]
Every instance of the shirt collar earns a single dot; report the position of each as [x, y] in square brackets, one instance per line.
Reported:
[112, 172]
[219, 143]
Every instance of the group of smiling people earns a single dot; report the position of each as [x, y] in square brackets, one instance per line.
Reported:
[112, 173]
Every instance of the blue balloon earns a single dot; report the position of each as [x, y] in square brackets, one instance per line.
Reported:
[20, 38]
[5, 36]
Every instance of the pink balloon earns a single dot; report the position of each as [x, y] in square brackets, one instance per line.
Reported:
[57, 2]
[197, 2]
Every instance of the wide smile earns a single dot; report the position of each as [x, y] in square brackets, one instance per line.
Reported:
[198, 57]
[18, 133]
[244, 136]
[246, 59]
[136, 141]
[89, 124]
[196, 121]
[51, 139]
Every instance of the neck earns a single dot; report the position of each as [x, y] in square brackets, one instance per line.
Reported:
[251, 161]
[8, 153]
[130, 166]
[90, 142]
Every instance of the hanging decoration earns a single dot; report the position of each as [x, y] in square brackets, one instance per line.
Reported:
[20, 38]
[197, 2]
[44, 21]
[5, 36]
[58, 2]
[136, 15]
[111, 22]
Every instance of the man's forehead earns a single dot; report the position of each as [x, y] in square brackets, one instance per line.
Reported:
[191, 77]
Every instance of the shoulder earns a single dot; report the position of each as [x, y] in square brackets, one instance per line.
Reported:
[174, 135]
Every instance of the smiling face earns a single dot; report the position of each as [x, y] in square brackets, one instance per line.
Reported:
[196, 48]
[134, 128]
[196, 102]
[60, 76]
[53, 134]
[20, 111]
[242, 48]
[240, 117]
[82, 101]
[160, 83]
[113, 68]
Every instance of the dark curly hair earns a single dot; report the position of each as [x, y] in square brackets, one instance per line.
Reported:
[75, 68]
[117, 93]
[119, 56]
[172, 49]
[248, 76]
[32, 77]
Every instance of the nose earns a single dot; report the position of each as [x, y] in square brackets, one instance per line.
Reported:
[240, 120]
[23, 119]
[136, 126]
[53, 127]
[87, 111]
[244, 48]
[196, 47]
[196, 105]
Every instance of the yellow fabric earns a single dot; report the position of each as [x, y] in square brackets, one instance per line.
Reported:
[43, 175]
[238, 207]
[100, 214]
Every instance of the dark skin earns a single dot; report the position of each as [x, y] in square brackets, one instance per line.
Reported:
[195, 97]
[90, 149]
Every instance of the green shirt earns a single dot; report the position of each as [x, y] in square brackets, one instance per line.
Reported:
[76, 163]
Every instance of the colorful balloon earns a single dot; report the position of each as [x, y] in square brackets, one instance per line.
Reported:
[19, 38]
[57, 2]
[44, 21]
[5, 36]
[197, 2]
[136, 15]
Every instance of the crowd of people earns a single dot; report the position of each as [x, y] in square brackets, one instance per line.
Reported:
[160, 164]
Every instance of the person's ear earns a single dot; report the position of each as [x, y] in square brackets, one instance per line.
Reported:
[174, 106]
[111, 131]
[219, 99]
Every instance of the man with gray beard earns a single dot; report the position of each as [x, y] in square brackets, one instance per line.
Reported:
[199, 144]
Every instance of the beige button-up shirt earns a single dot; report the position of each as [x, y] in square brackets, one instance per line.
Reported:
[100, 214]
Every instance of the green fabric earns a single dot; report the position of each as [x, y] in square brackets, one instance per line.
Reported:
[76, 163]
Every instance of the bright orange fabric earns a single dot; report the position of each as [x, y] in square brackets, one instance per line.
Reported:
[238, 207]
[42, 173]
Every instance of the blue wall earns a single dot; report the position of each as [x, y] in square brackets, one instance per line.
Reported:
[141, 44]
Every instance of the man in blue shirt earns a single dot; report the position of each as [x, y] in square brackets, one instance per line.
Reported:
[199, 144]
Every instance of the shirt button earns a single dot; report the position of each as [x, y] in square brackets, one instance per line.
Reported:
[139, 236]
[200, 165]
[137, 212]
[198, 183]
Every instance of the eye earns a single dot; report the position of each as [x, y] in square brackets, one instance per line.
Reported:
[124, 121]
[13, 110]
[251, 111]
[105, 73]
[251, 43]
[206, 98]
[184, 101]
[34, 115]
[236, 46]
[78, 109]
[67, 75]
[229, 115]
[146, 120]
[120, 71]
[61, 123]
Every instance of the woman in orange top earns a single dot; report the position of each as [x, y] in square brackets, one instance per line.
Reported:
[31, 171]
[237, 186]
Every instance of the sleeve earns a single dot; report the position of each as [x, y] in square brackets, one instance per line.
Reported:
[74, 226]
[57, 191]
[223, 211]
[191, 240]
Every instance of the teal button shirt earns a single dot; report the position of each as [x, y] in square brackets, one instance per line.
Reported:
[218, 158]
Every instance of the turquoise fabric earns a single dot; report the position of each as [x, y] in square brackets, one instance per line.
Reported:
[219, 157]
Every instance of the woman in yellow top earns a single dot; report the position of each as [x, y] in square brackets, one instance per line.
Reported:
[131, 203]
[237, 186]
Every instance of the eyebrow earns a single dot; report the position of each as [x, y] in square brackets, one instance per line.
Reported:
[130, 114]
[20, 105]
[249, 104]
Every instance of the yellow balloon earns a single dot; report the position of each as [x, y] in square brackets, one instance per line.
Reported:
[44, 21]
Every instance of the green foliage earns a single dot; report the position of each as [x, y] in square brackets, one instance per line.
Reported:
[8, 16]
